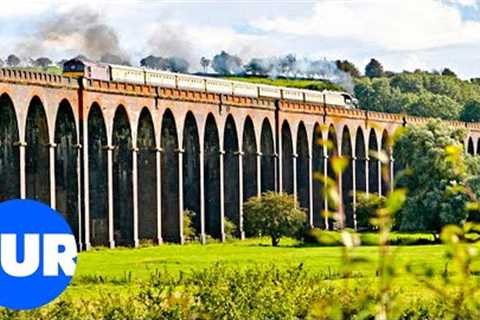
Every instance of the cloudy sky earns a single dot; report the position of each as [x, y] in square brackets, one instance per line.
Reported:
[402, 34]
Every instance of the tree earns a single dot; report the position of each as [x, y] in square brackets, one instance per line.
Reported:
[434, 181]
[258, 66]
[154, 62]
[227, 64]
[471, 111]
[275, 215]
[348, 67]
[176, 64]
[42, 62]
[13, 60]
[374, 69]
[435, 106]
[449, 73]
[204, 62]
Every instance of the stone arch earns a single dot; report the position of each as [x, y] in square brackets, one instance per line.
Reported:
[287, 159]
[303, 184]
[97, 177]
[231, 172]
[470, 147]
[191, 169]
[347, 179]
[122, 178]
[171, 229]
[249, 160]
[212, 178]
[66, 167]
[147, 178]
[37, 153]
[385, 173]
[268, 158]
[373, 171]
[9, 151]
[360, 163]
[318, 169]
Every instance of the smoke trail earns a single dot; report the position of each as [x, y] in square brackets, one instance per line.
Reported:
[78, 30]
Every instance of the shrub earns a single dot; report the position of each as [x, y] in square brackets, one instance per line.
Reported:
[188, 229]
[230, 228]
[367, 206]
[274, 215]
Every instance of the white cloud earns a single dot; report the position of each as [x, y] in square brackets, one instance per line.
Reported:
[392, 25]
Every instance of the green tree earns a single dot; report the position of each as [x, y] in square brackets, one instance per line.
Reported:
[275, 215]
[435, 198]
[348, 67]
[471, 111]
[435, 106]
[449, 73]
[374, 69]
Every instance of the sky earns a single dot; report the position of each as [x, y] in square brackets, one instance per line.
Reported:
[401, 34]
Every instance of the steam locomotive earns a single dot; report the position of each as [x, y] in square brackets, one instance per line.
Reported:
[108, 72]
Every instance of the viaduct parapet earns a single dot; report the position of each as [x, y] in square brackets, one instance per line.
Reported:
[123, 161]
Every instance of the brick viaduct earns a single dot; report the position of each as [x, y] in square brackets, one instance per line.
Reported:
[122, 161]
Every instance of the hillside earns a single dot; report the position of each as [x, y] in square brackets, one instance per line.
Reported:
[318, 85]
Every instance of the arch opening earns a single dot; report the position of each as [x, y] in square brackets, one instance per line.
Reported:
[147, 178]
[268, 158]
[332, 151]
[470, 148]
[9, 152]
[231, 174]
[122, 178]
[66, 165]
[318, 169]
[191, 170]
[385, 173]
[303, 185]
[212, 179]
[171, 229]
[98, 177]
[249, 161]
[347, 179]
[373, 177]
[37, 153]
[287, 159]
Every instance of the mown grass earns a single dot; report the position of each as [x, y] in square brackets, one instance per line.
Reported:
[122, 268]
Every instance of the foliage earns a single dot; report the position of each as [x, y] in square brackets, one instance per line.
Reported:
[173, 64]
[374, 69]
[230, 229]
[204, 62]
[367, 206]
[471, 111]
[348, 67]
[436, 182]
[227, 64]
[188, 228]
[274, 215]
[449, 73]
[42, 62]
[13, 60]
[419, 93]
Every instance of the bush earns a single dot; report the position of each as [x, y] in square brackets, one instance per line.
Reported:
[188, 229]
[367, 206]
[230, 229]
[275, 215]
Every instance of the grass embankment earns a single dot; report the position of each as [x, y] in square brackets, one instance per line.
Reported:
[318, 85]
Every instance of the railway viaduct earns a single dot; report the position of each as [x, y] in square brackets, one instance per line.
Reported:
[122, 161]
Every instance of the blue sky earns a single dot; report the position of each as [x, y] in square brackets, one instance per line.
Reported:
[402, 34]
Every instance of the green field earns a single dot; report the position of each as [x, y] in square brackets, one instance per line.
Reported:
[318, 85]
[120, 269]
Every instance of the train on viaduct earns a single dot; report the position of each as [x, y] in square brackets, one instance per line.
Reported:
[123, 161]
